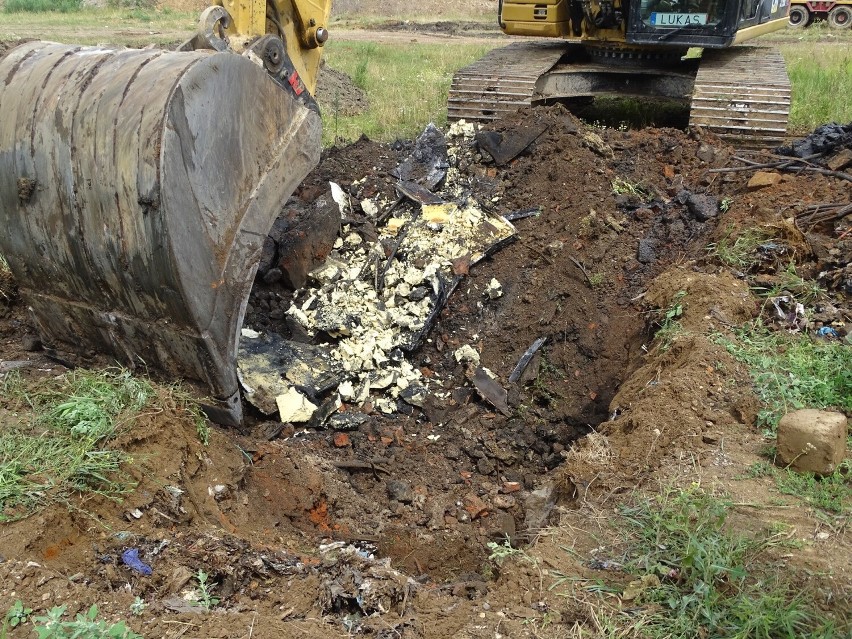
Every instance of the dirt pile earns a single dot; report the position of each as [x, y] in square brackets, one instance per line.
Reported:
[384, 527]
[338, 94]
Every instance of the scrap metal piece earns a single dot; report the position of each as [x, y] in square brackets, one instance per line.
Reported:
[491, 391]
[428, 163]
[417, 193]
[522, 364]
[505, 147]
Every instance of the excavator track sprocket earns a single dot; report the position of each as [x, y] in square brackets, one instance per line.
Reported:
[136, 190]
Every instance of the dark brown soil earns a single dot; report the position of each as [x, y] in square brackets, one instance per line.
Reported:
[591, 274]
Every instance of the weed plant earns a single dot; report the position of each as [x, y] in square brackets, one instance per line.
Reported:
[84, 626]
[668, 320]
[831, 493]
[739, 252]
[790, 372]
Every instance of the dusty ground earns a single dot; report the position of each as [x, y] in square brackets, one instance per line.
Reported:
[300, 546]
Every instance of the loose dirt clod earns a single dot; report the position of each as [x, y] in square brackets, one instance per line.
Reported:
[812, 440]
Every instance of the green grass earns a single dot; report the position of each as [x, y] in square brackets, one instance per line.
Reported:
[708, 581]
[822, 84]
[790, 372]
[38, 6]
[832, 493]
[407, 86]
[693, 575]
[739, 252]
[131, 25]
[62, 448]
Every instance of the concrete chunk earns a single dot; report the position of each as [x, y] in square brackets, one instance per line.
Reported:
[811, 440]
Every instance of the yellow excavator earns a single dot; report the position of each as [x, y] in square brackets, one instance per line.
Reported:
[639, 48]
[137, 186]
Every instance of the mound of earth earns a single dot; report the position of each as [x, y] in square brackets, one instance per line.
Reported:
[384, 527]
[338, 94]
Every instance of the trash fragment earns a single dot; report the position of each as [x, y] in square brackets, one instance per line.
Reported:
[270, 365]
[428, 163]
[505, 147]
[828, 331]
[467, 354]
[494, 289]
[341, 198]
[293, 407]
[525, 359]
[417, 193]
[489, 388]
[130, 558]
[522, 214]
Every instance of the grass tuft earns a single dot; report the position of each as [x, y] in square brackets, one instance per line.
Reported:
[739, 252]
[702, 580]
[832, 493]
[790, 372]
[64, 449]
[41, 6]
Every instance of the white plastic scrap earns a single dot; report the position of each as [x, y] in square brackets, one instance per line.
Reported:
[467, 354]
[494, 289]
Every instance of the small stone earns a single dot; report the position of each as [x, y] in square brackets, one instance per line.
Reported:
[400, 491]
[840, 160]
[273, 276]
[341, 440]
[474, 506]
[494, 289]
[811, 440]
[505, 501]
[647, 251]
[467, 354]
[500, 527]
[762, 179]
[510, 487]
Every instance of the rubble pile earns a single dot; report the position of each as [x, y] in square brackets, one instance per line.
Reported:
[370, 302]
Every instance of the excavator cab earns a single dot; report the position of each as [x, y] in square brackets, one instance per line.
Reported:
[656, 23]
[637, 49]
[711, 24]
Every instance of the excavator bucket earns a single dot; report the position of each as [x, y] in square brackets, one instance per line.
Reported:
[136, 190]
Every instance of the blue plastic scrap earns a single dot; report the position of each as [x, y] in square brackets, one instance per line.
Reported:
[827, 331]
[131, 559]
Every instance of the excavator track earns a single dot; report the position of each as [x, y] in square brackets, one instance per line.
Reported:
[740, 94]
[743, 96]
[502, 81]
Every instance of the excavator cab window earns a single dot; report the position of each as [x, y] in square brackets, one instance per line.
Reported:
[683, 23]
